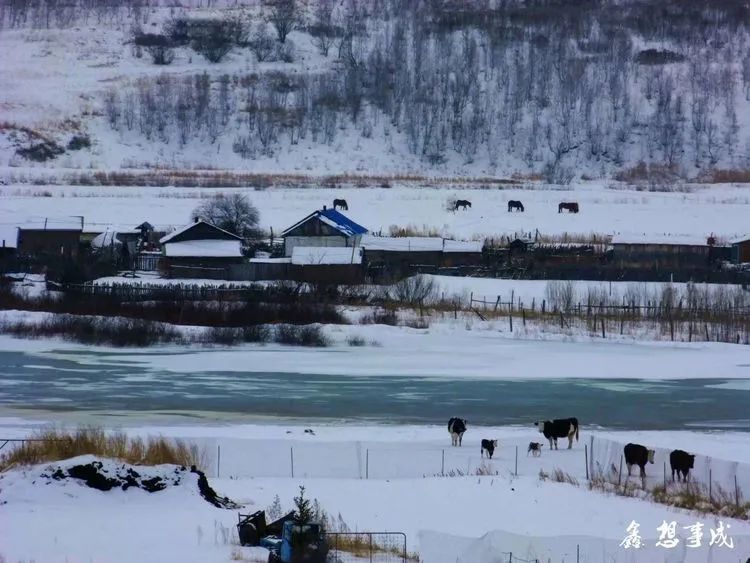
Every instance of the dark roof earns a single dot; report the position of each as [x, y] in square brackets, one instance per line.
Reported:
[199, 225]
[335, 220]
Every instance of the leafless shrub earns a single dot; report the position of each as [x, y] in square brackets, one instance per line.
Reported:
[415, 290]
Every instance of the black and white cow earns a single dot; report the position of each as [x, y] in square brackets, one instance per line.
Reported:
[535, 448]
[489, 446]
[635, 454]
[559, 428]
[456, 428]
[681, 463]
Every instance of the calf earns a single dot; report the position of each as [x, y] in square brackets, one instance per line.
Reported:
[559, 428]
[488, 445]
[635, 454]
[535, 448]
[681, 462]
[456, 428]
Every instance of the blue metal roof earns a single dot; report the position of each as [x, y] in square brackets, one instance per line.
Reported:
[342, 222]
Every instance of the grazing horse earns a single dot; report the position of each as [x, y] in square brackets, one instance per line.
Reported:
[462, 203]
[513, 204]
[571, 206]
[341, 203]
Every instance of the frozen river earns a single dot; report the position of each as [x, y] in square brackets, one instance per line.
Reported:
[71, 382]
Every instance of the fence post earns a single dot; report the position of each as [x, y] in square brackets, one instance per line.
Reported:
[578, 553]
[510, 319]
[367, 463]
[544, 306]
[619, 473]
[735, 479]
[586, 457]
[291, 452]
[510, 557]
[604, 335]
[218, 460]
[442, 466]
[736, 491]
[523, 316]
[710, 485]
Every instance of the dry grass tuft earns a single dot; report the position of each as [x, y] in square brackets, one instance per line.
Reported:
[55, 445]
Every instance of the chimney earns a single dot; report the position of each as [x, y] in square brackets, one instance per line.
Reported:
[197, 219]
[324, 208]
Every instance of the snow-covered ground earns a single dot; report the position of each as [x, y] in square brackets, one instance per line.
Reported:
[721, 210]
[495, 353]
[447, 519]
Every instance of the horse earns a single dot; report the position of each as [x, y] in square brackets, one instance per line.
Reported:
[571, 206]
[340, 203]
[514, 204]
[462, 203]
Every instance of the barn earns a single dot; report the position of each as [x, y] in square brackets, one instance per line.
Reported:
[664, 251]
[200, 250]
[324, 227]
[740, 250]
[59, 238]
[395, 257]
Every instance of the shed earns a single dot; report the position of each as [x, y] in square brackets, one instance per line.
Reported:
[326, 228]
[662, 251]
[200, 250]
[50, 237]
[400, 256]
[741, 249]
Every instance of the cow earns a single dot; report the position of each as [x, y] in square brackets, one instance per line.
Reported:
[571, 206]
[488, 445]
[535, 448]
[456, 428]
[340, 203]
[681, 462]
[463, 204]
[559, 428]
[635, 454]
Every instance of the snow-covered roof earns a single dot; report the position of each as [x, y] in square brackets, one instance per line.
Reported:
[326, 255]
[53, 224]
[656, 238]
[204, 249]
[265, 260]
[462, 246]
[333, 219]
[419, 244]
[105, 240]
[740, 239]
[402, 244]
[170, 236]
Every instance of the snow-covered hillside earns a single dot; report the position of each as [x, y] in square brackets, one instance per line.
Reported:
[485, 88]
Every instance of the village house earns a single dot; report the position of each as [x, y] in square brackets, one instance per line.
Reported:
[200, 250]
[324, 227]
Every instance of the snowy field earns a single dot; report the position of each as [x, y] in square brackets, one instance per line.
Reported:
[499, 512]
[721, 210]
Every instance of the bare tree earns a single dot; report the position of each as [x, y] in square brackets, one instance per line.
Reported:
[234, 213]
[283, 15]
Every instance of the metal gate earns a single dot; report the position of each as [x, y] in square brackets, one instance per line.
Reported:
[370, 547]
